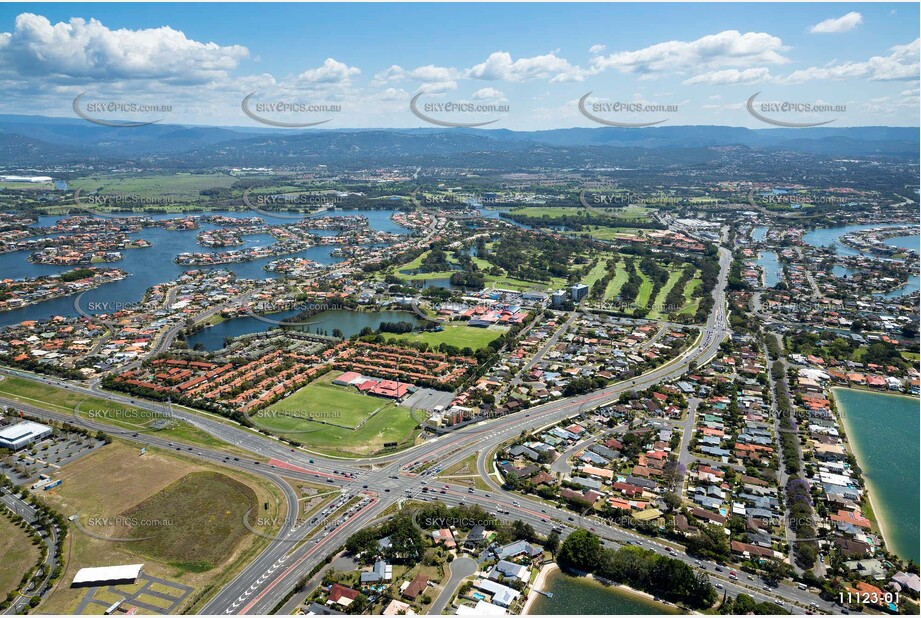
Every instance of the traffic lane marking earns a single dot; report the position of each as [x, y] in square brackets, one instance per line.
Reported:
[309, 553]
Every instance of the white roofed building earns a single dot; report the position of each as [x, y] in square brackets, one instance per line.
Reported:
[108, 575]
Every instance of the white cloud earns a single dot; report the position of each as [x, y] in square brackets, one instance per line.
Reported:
[332, 72]
[393, 94]
[730, 76]
[729, 48]
[500, 66]
[426, 74]
[723, 107]
[901, 64]
[81, 49]
[488, 94]
[838, 24]
[597, 48]
[438, 87]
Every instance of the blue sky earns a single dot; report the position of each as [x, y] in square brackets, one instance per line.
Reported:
[525, 65]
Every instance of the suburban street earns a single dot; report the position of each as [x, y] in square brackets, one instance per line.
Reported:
[265, 582]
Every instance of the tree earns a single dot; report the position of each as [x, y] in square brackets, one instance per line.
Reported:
[553, 542]
[711, 543]
[744, 604]
[581, 550]
[775, 571]
[672, 501]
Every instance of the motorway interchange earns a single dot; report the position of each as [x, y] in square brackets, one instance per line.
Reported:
[382, 482]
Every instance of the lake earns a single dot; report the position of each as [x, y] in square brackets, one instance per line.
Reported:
[884, 431]
[349, 322]
[580, 596]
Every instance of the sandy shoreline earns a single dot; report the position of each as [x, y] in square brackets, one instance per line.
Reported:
[550, 568]
[538, 584]
[882, 519]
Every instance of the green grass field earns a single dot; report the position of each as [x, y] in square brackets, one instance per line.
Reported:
[642, 299]
[609, 233]
[555, 212]
[26, 186]
[617, 282]
[598, 271]
[172, 187]
[19, 554]
[124, 417]
[194, 523]
[458, 335]
[156, 489]
[323, 400]
[499, 281]
[656, 309]
[690, 301]
[341, 405]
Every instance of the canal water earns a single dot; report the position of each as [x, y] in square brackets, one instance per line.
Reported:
[154, 265]
[773, 271]
[903, 242]
[580, 596]
[884, 432]
[823, 237]
[831, 236]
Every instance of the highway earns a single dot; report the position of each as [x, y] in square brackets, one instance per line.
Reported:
[381, 482]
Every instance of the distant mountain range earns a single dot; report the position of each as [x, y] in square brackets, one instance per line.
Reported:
[30, 140]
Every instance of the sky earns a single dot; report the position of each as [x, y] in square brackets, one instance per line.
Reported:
[514, 66]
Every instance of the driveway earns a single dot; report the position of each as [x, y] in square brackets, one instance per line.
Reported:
[461, 567]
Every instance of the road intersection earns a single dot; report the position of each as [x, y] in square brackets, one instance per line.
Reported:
[382, 482]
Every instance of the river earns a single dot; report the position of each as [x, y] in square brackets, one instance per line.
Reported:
[580, 596]
[884, 431]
